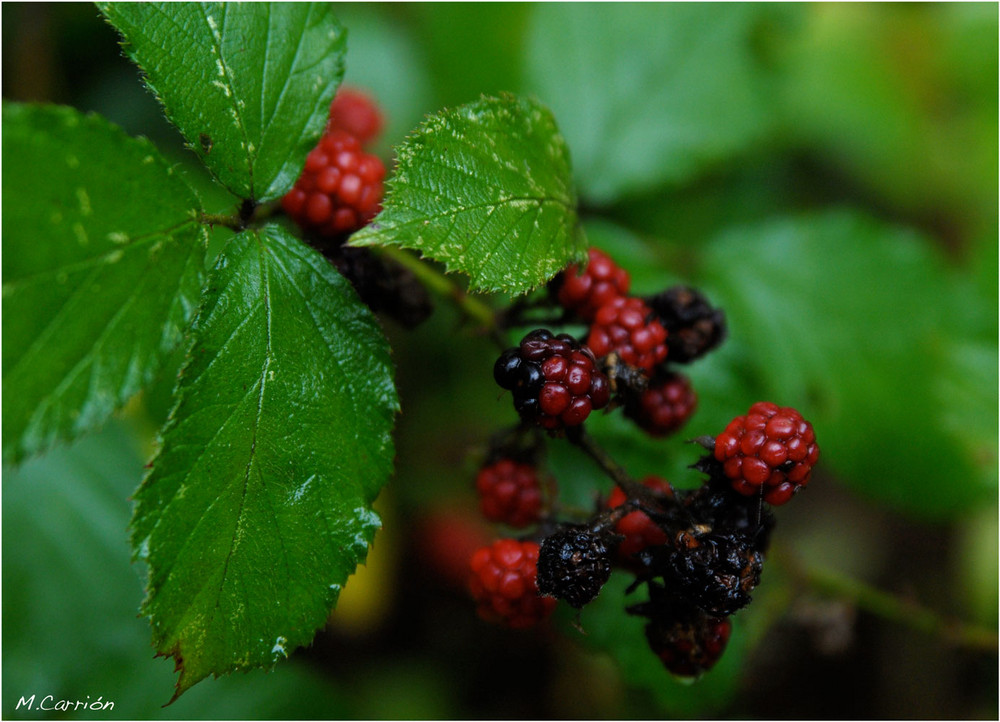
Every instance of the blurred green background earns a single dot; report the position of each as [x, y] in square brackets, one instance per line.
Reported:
[827, 173]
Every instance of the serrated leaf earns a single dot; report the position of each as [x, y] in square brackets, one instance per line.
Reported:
[248, 84]
[853, 322]
[258, 506]
[102, 266]
[485, 189]
[647, 93]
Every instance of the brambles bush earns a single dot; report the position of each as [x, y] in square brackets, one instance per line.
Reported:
[236, 286]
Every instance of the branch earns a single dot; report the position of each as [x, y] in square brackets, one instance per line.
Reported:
[890, 606]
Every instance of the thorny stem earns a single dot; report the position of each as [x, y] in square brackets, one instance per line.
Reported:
[890, 606]
[443, 286]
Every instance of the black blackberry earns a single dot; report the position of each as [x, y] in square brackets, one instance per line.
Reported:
[573, 565]
[715, 572]
[693, 326]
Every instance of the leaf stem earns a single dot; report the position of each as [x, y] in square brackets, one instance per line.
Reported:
[440, 284]
[889, 606]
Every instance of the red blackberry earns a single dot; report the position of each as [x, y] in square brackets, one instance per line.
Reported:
[598, 283]
[340, 188]
[555, 382]
[693, 326]
[638, 530]
[628, 327]
[771, 450]
[573, 565]
[356, 113]
[664, 406]
[503, 584]
[509, 493]
[689, 647]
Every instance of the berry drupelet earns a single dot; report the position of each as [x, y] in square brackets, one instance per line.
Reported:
[503, 584]
[629, 328]
[357, 114]
[555, 381]
[771, 450]
[583, 291]
[509, 493]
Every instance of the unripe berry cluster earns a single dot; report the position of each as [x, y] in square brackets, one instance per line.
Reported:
[698, 552]
[340, 188]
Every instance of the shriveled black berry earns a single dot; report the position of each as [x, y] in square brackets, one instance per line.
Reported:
[693, 326]
[573, 565]
[718, 506]
[716, 572]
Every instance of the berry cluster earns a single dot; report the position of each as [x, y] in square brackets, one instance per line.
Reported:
[698, 552]
[639, 339]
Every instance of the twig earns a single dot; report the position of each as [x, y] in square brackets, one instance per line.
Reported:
[890, 606]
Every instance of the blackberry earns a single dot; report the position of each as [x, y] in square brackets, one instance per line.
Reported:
[583, 291]
[715, 505]
[509, 493]
[503, 584]
[664, 406]
[340, 188]
[573, 565]
[693, 326]
[687, 640]
[691, 646]
[716, 572]
[771, 450]
[555, 382]
[355, 113]
[629, 328]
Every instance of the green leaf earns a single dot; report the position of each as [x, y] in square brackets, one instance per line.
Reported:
[258, 506]
[855, 323]
[102, 267]
[485, 189]
[692, 95]
[248, 84]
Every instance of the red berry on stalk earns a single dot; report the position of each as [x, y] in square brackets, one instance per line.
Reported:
[509, 493]
[771, 450]
[628, 327]
[638, 529]
[355, 112]
[340, 189]
[503, 583]
[585, 290]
